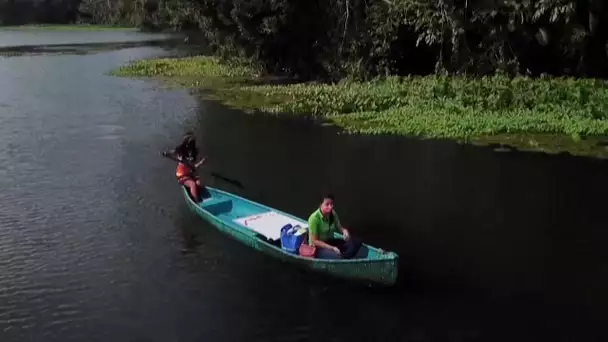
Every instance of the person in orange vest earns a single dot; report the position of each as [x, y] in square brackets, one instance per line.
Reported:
[185, 154]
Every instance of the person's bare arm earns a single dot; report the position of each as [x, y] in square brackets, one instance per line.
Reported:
[171, 155]
[322, 244]
[201, 162]
[345, 233]
[341, 228]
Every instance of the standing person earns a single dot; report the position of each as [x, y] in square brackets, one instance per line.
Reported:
[322, 224]
[185, 154]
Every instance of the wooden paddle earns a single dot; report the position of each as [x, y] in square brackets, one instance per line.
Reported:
[214, 174]
[229, 180]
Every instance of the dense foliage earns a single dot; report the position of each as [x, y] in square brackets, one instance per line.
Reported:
[337, 38]
[17, 12]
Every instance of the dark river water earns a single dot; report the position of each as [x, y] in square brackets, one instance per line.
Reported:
[96, 243]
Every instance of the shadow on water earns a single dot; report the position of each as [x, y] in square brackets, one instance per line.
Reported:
[85, 48]
[499, 245]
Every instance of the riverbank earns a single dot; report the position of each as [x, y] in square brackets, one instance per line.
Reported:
[549, 114]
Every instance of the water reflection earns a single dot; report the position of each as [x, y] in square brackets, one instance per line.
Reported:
[493, 246]
[465, 220]
[40, 37]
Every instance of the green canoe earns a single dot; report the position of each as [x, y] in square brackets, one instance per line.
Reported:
[259, 226]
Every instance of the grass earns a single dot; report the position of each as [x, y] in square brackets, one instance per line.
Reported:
[190, 67]
[569, 114]
[72, 27]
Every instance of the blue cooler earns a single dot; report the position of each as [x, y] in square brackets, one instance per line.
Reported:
[289, 241]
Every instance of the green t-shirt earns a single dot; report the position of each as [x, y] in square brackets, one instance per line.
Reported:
[320, 226]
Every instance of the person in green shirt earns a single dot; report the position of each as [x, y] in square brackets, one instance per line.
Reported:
[322, 224]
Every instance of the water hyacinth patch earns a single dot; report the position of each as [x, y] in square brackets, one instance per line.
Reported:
[431, 106]
[198, 66]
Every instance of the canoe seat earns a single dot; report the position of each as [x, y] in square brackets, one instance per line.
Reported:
[218, 206]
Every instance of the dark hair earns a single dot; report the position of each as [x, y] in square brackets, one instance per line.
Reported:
[187, 149]
[327, 196]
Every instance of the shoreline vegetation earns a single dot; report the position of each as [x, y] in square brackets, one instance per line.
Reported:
[552, 115]
[513, 44]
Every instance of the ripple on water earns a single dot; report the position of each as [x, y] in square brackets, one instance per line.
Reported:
[92, 226]
[109, 132]
[78, 241]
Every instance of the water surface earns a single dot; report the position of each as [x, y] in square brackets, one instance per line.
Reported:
[59, 37]
[97, 244]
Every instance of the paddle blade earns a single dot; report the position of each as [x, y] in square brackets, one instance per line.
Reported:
[229, 180]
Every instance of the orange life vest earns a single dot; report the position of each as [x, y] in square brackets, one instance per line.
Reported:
[182, 170]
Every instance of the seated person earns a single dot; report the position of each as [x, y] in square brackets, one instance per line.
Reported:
[321, 225]
[185, 154]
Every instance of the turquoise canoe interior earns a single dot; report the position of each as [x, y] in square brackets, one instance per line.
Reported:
[230, 208]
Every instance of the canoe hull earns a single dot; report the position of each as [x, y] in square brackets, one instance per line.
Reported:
[380, 271]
